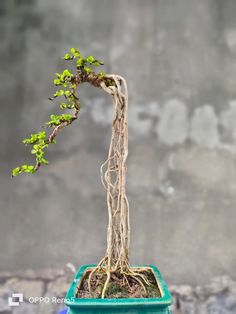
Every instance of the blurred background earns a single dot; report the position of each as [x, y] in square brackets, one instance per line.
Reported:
[179, 61]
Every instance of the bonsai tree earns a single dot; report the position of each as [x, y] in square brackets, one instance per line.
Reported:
[114, 267]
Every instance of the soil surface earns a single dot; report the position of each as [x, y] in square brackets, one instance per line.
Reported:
[118, 287]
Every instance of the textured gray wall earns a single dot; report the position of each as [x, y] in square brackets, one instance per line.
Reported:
[179, 61]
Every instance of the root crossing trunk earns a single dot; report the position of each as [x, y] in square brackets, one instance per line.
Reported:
[113, 174]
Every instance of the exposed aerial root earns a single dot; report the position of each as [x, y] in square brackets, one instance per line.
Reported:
[104, 290]
[113, 170]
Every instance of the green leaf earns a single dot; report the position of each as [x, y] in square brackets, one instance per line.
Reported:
[90, 59]
[44, 161]
[87, 70]
[57, 82]
[67, 57]
[67, 93]
[16, 171]
[42, 135]
[80, 62]
[66, 117]
[75, 52]
[71, 105]
[59, 93]
[67, 73]
[97, 63]
[63, 105]
[31, 169]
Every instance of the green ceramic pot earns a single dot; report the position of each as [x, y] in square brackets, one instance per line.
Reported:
[122, 306]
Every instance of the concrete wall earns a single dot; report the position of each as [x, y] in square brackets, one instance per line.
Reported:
[179, 61]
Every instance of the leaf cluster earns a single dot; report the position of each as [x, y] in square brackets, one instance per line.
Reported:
[57, 119]
[39, 143]
[67, 84]
[85, 64]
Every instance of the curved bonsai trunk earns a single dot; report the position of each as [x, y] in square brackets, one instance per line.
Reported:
[113, 177]
[113, 172]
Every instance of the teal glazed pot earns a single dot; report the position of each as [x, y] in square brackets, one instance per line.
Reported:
[122, 306]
